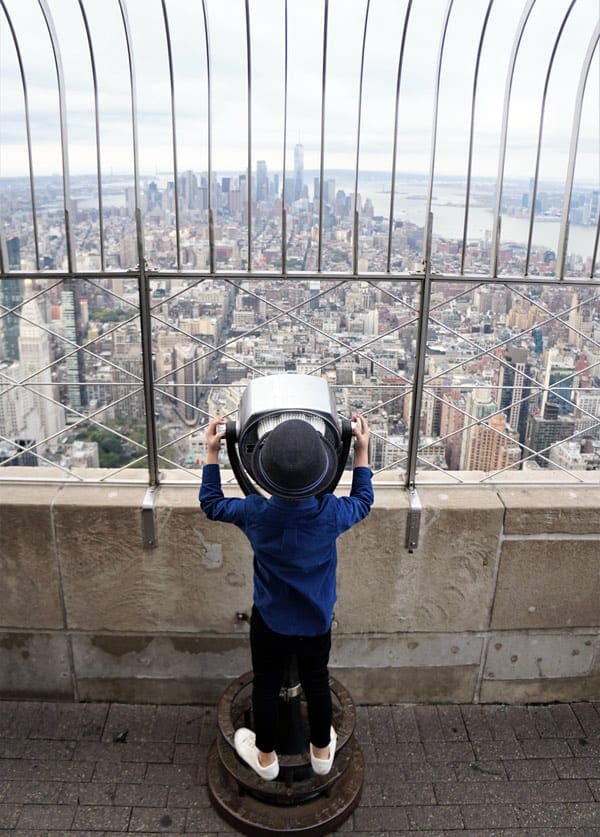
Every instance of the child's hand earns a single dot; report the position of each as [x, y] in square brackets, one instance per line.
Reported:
[214, 437]
[362, 435]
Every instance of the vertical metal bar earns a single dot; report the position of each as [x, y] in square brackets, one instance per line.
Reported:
[88, 35]
[355, 242]
[420, 361]
[471, 135]
[249, 176]
[211, 240]
[436, 108]
[563, 239]
[146, 337]
[283, 240]
[395, 148]
[134, 124]
[4, 265]
[322, 159]
[64, 145]
[285, 115]
[360, 93]
[417, 393]
[143, 281]
[211, 229]
[533, 196]
[503, 136]
[173, 133]
[27, 133]
[595, 249]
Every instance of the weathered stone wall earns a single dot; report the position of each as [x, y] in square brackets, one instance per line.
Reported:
[500, 602]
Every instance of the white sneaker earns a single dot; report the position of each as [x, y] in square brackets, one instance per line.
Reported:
[323, 766]
[245, 746]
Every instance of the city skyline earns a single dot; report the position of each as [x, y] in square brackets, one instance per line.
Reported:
[489, 363]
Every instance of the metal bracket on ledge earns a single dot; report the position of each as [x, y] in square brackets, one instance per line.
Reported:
[413, 520]
[149, 536]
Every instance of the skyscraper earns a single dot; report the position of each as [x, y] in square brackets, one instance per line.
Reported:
[76, 397]
[514, 390]
[11, 296]
[548, 429]
[48, 417]
[490, 448]
[262, 181]
[298, 171]
[559, 367]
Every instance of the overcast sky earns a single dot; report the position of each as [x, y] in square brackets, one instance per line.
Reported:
[229, 61]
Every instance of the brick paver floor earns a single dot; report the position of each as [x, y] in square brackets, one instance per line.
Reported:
[500, 771]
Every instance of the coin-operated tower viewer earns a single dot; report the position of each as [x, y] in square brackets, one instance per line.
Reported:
[289, 440]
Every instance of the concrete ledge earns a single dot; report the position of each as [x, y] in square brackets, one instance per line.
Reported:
[35, 666]
[499, 602]
[548, 583]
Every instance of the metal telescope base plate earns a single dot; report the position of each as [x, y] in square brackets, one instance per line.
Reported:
[320, 814]
[298, 801]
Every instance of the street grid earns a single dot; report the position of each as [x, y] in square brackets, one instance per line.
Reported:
[436, 770]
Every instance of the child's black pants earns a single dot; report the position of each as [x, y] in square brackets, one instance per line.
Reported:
[269, 651]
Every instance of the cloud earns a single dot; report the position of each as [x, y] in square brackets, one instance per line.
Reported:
[345, 29]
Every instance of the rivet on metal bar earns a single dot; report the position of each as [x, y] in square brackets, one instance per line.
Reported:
[149, 534]
[413, 520]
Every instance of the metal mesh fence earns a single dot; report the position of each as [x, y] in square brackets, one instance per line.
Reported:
[403, 199]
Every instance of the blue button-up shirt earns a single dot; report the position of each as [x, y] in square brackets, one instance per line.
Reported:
[294, 543]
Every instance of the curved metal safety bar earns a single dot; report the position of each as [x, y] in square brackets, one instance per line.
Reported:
[22, 75]
[211, 229]
[564, 227]
[249, 102]
[395, 142]
[322, 149]
[436, 109]
[88, 34]
[173, 132]
[284, 146]
[359, 120]
[503, 136]
[463, 249]
[64, 144]
[534, 189]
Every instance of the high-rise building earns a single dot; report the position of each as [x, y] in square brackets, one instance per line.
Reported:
[11, 295]
[76, 394]
[48, 418]
[188, 190]
[127, 395]
[515, 388]
[587, 414]
[492, 445]
[580, 322]
[479, 406]
[262, 181]
[298, 171]
[186, 381]
[548, 429]
[560, 367]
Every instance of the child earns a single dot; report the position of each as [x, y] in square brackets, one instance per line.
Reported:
[293, 535]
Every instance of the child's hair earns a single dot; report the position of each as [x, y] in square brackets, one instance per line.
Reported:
[294, 460]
